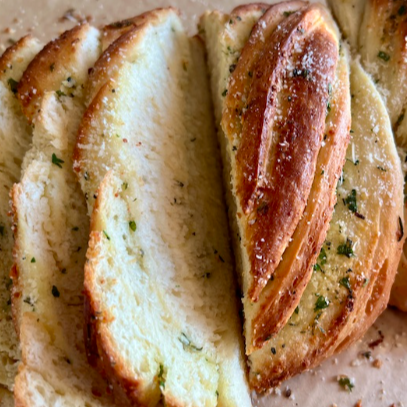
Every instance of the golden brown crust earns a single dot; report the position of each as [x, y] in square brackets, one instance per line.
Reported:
[276, 159]
[48, 69]
[280, 298]
[10, 53]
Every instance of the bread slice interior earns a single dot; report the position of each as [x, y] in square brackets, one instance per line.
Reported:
[162, 309]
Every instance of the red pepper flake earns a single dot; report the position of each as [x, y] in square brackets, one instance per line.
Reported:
[124, 140]
[377, 342]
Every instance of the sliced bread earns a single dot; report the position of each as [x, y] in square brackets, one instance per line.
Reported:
[15, 139]
[161, 304]
[51, 231]
[355, 268]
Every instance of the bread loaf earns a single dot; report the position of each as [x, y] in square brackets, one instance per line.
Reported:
[355, 268]
[15, 138]
[161, 306]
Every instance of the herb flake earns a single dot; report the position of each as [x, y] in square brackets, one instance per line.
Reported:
[57, 161]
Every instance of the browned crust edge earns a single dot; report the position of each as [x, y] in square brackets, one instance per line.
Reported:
[48, 68]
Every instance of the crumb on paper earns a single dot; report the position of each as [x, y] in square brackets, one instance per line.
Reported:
[377, 363]
[358, 403]
[75, 17]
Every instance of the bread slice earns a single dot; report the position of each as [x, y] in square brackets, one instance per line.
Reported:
[15, 138]
[380, 39]
[161, 305]
[274, 151]
[51, 231]
[355, 268]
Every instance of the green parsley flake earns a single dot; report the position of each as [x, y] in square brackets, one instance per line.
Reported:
[345, 282]
[346, 383]
[57, 161]
[60, 93]
[33, 260]
[160, 377]
[346, 249]
[351, 201]
[13, 85]
[107, 236]
[133, 225]
[321, 303]
[187, 344]
[382, 55]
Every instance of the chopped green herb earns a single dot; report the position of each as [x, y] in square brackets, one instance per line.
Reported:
[365, 282]
[345, 282]
[55, 291]
[250, 73]
[322, 258]
[321, 303]
[13, 85]
[288, 13]
[125, 185]
[328, 106]
[60, 93]
[133, 225]
[273, 351]
[382, 55]
[297, 310]
[86, 176]
[346, 249]
[351, 201]
[346, 383]
[329, 89]
[107, 236]
[33, 260]
[187, 344]
[402, 10]
[225, 92]
[367, 354]
[57, 161]
[381, 168]
[160, 377]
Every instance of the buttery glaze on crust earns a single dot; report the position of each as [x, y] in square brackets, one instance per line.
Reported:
[282, 295]
[278, 151]
[371, 275]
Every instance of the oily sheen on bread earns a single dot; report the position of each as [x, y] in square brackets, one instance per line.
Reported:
[285, 149]
[15, 137]
[51, 231]
[380, 39]
[161, 305]
[355, 267]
